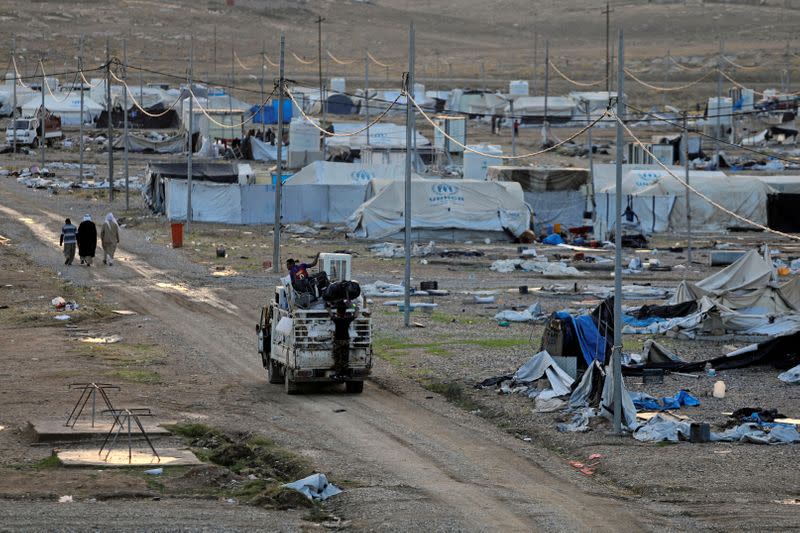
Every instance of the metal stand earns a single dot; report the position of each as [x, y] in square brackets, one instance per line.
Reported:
[89, 390]
[122, 418]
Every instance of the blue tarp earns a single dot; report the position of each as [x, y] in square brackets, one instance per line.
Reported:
[269, 113]
[553, 239]
[641, 322]
[645, 402]
[593, 345]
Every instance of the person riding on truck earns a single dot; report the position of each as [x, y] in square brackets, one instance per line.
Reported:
[341, 340]
[299, 272]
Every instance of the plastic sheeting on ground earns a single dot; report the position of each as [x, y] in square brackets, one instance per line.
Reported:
[579, 422]
[381, 288]
[758, 434]
[543, 267]
[791, 376]
[644, 401]
[533, 312]
[607, 403]
[540, 365]
[592, 344]
[314, 487]
[661, 428]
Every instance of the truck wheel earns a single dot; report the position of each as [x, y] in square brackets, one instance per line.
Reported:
[289, 384]
[354, 387]
[274, 372]
[35, 143]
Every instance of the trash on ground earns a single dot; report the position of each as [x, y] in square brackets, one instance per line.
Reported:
[102, 340]
[534, 312]
[62, 317]
[791, 376]
[154, 471]
[300, 229]
[65, 499]
[314, 487]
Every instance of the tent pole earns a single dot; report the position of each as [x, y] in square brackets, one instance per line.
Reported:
[617, 352]
[366, 90]
[276, 229]
[407, 203]
[546, 90]
[688, 200]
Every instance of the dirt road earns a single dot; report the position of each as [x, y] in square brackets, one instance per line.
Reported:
[416, 461]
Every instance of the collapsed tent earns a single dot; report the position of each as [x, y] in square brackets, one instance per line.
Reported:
[444, 209]
[555, 195]
[653, 196]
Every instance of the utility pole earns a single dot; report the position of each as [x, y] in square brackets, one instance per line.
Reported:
[719, 98]
[591, 156]
[546, 89]
[513, 129]
[215, 51]
[261, 103]
[483, 75]
[366, 89]
[14, 97]
[110, 134]
[43, 118]
[407, 202]
[535, 62]
[276, 229]
[320, 20]
[191, 138]
[230, 89]
[688, 195]
[80, 143]
[607, 12]
[125, 122]
[617, 352]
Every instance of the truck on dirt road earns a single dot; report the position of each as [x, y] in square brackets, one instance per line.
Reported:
[27, 131]
[296, 331]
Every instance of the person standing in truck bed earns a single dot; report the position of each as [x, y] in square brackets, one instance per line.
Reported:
[341, 341]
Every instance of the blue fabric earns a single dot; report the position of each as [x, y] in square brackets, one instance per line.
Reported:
[646, 402]
[268, 114]
[553, 239]
[641, 322]
[593, 345]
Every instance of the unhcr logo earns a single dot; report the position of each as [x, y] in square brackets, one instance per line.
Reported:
[445, 193]
[361, 175]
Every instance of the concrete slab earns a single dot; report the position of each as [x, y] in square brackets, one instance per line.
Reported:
[54, 430]
[119, 457]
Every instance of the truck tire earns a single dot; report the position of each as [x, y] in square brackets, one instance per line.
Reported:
[274, 372]
[289, 384]
[354, 387]
[35, 142]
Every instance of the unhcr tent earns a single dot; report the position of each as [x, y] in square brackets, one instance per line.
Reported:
[658, 200]
[383, 135]
[331, 173]
[68, 109]
[444, 209]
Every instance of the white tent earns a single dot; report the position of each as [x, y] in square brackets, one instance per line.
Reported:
[333, 173]
[146, 97]
[442, 207]
[67, 108]
[658, 200]
[383, 135]
[558, 107]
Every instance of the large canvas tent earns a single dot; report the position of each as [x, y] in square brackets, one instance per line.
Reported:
[333, 173]
[444, 209]
[67, 108]
[658, 200]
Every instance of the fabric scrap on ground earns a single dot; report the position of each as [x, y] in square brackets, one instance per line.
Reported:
[791, 376]
[314, 487]
[534, 312]
[645, 402]
[660, 428]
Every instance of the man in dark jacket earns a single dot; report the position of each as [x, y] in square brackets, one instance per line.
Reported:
[87, 240]
[341, 340]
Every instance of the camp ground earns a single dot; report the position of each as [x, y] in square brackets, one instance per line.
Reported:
[380, 266]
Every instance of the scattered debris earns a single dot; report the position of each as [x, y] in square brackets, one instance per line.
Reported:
[315, 487]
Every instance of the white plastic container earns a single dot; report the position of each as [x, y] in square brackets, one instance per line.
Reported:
[338, 85]
[719, 389]
[303, 137]
[456, 127]
[518, 88]
[476, 166]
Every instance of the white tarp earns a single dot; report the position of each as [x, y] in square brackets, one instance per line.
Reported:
[334, 173]
[211, 202]
[169, 145]
[383, 135]
[747, 198]
[478, 206]
[67, 108]
[146, 97]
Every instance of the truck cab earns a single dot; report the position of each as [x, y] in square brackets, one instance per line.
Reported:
[27, 131]
[295, 332]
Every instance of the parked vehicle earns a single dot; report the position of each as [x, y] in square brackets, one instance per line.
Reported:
[28, 131]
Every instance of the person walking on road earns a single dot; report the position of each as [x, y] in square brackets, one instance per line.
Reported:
[69, 238]
[109, 239]
[87, 240]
